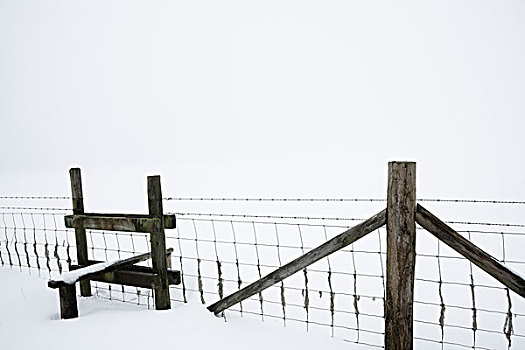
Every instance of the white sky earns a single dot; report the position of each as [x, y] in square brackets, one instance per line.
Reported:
[268, 98]
[282, 98]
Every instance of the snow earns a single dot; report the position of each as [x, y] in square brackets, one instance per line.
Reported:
[514, 271]
[73, 276]
[30, 308]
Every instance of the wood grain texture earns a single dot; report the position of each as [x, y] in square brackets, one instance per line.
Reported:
[80, 233]
[158, 245]
[113, 266]
[169, 220]
[344, 239]
[401, 255]
[107, 223]
[134, 276]
[68, 301]
[477, 256]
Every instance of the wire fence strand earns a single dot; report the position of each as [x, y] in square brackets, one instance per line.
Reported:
[233, 199]
[342, 295]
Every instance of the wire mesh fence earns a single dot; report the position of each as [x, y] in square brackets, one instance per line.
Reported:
[341, 295]
[220, 249]
[33, 236]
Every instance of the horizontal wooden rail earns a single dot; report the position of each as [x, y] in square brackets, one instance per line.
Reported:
[119, 222]
[91, 271]
[344, 239]
[464, 247]
[134, 276]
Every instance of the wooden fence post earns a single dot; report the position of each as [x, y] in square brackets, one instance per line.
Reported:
[68, 301]
[401, 255]
[158, 245]
[80, 233]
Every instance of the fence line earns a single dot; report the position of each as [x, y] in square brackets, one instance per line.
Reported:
[232, 199]
[34, 208]
[342, 295]
[36, 197]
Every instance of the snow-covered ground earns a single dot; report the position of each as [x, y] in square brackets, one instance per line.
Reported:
[30, 320]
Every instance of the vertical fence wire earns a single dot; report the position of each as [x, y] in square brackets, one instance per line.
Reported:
[508, 328]
[473, 294]
[356, 296]
[239, 279]
[181, 267]
[199, 275]
[260, 276]
[6, 241]
[355, 293]
[305, 273]
[46, 245]
[34, 239]
[220, 285]
[441, 301]
[332, 294]
[283, 300]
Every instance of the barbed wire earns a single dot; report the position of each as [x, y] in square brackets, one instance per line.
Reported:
[240, 199]
[282, 217]
[36, 197]
[233, 199]
[319, 218]
[484, 223]
[211, 219]
[270, 216]
[34, 208]
[483, 201]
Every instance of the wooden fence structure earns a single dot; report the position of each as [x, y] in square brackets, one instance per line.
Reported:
[121, 271]
[400, 218]
[37, 237]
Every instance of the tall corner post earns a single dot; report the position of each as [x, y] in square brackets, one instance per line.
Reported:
[80, 233]
[158, 245]
[401, 255]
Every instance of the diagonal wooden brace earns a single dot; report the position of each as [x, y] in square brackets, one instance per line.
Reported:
[478, 257]
[344, 239]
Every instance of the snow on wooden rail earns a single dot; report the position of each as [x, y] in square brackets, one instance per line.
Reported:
[87, 272]
[153, 223]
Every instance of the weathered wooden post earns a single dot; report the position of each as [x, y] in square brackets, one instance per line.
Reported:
[401, 255]
[158, 245]
[80, 233]
[68, 301]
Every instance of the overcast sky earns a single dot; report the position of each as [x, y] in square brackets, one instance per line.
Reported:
[282, 98]
[273, 98]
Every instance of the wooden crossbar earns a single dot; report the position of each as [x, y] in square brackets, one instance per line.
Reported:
[158, 277]
[103, 271]
[134, 276]
[119, 222]
[87, 272]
